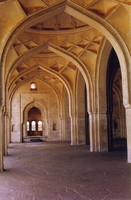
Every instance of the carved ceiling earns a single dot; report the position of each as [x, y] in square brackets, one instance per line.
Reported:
[46, 69]
[29, 55]
[100, 7]
[115, 12]
[56, 23]
[84, 45]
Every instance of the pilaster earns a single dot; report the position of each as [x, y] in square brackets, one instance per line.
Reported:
[74, 131]
[128, 128]
[98, 132]
[1, 140]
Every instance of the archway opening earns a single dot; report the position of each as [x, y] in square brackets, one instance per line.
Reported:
[34, 122]
[115, 109]
[87, 130]
[82, 108]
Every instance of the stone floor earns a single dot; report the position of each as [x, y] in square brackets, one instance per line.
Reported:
[58, 171]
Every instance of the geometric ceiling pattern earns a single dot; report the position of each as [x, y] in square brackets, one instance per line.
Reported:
[29, 55]
[100, 7]
[85, 47]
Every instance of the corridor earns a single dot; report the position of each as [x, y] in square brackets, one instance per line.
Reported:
[58, 171]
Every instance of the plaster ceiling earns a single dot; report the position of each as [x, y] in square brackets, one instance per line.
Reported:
[72, 37]
[84, 45]
[61, 21]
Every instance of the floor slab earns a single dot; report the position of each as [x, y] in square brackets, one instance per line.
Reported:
[58, 171]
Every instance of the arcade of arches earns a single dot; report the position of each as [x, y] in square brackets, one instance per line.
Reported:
[65, 73]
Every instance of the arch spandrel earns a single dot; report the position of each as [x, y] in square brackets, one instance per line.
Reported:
[9, 19]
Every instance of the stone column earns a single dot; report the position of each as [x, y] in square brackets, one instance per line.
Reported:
[81, 130]
[74, 130]
[7, 137]
[1, 140]
[93, 134]
[102, 132]
[74, 121]
[128, 128]
[98, 131]
[62, 129]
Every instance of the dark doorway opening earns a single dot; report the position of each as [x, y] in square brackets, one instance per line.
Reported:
[87, 132]
[115, 109]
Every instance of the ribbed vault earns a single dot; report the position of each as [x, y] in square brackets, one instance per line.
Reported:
[56, 21]
[56, 41]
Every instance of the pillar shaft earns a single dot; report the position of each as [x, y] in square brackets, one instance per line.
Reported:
[74, 130]
[1, 141]
[128, 128]
[98, 131]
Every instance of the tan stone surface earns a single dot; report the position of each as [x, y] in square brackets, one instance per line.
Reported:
[60, 45]
[48, 171]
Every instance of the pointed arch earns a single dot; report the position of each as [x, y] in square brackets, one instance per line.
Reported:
[63, 53]
[44, 115]
[89, 18]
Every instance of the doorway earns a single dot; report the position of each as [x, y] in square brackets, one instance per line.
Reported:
[82, 112]
[87, 132]
[115, 109]
[34, 122]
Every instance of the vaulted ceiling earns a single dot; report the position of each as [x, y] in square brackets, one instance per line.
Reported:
[46, 48]
[32, 50]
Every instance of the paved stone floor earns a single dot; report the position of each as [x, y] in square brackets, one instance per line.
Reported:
[58, 171]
